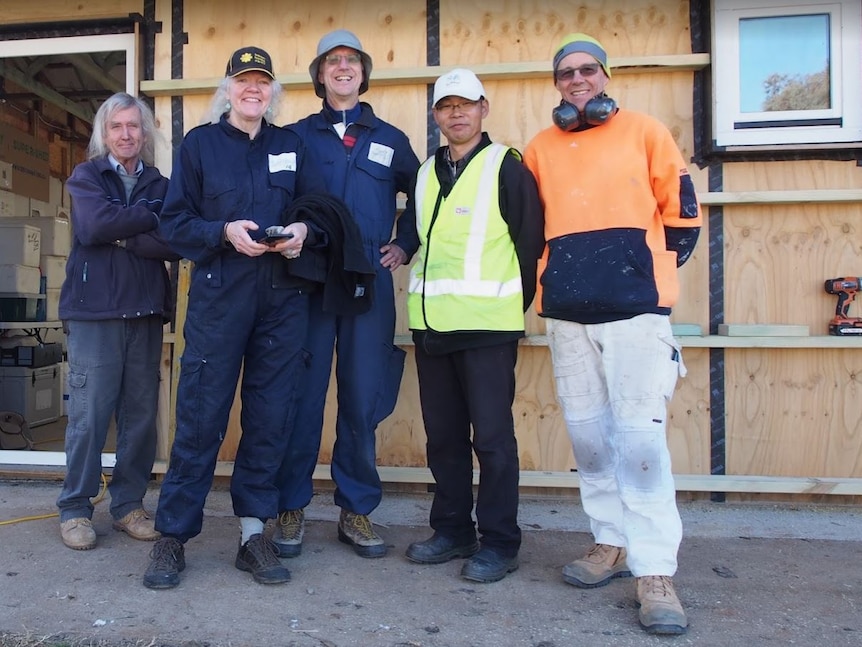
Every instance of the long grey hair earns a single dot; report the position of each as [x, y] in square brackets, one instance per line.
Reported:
[220, 104]
[98, 146]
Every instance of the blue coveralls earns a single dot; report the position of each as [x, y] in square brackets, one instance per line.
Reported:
[243, 313]
[368, 366]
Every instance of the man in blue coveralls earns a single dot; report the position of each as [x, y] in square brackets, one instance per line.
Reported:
[366, 162]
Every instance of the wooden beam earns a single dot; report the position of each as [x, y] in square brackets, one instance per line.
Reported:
[720, 341]
[569, 480]
[811, 196]
[46, 93]
[766, 198]
[89, 68]
[415, 75]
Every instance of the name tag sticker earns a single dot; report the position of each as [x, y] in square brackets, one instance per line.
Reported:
[282, 162]
[381, 154]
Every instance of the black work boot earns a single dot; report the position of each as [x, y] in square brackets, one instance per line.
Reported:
[439, 549]
[488, 566]
[167, 559]
[259, 556]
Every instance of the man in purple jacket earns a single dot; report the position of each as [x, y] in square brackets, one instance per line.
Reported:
[114, 303]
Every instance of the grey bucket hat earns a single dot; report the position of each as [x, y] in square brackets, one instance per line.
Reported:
[339, 38]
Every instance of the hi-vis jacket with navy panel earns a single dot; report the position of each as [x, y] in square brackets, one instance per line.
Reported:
[621, 215]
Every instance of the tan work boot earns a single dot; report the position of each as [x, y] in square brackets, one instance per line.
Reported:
[660, 608]
[356, 530]
[289, 531]
[78, 533]
[600, 565]
[138, 525]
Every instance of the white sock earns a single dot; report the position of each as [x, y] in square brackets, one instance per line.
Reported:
[250, 526]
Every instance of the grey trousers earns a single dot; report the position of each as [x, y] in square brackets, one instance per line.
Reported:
[113, 371]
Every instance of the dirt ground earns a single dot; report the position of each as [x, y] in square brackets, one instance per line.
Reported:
[749, 575]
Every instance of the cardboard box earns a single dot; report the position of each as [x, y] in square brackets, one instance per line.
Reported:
[56, 238]
[20, 244]
[12, 205]
[30, 161]
[35, 393]
[6, 176]
[20, 279]
[53, 269]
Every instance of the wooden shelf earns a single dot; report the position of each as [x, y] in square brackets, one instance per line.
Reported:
[570, 480]
[718, 341]
[429, 74]
[813, 196]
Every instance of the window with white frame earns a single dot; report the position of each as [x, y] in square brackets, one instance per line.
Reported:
[787, 72]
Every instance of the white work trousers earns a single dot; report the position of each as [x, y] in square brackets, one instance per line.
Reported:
[614, 381]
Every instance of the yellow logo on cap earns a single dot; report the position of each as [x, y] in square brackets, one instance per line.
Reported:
[245, 57]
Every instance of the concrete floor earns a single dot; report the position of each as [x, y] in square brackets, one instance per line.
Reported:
[749, 575]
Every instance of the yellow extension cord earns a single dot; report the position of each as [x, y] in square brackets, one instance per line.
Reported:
[98, 498]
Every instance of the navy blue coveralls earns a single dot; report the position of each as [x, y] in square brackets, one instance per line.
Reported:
[368, 366]
[242, 312]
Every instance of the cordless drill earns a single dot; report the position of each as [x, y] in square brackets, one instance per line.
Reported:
[846, 288]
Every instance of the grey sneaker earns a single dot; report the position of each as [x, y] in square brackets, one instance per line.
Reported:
[600, 565]
[660, 609]
[289, 531]
[356, 530]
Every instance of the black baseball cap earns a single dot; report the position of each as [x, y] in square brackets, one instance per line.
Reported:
[248, 59]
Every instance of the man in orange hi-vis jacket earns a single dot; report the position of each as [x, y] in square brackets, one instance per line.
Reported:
[621, 215]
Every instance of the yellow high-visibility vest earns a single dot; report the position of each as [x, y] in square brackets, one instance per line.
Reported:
[466, 275]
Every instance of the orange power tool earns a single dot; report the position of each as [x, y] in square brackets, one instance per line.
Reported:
[846, 289]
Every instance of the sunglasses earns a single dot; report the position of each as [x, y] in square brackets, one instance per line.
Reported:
[586, 71]
[335, 59]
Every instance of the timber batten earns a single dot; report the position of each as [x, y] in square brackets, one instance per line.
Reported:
[763, 414]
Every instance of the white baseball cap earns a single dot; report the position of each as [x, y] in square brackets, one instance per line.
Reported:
[458, 83]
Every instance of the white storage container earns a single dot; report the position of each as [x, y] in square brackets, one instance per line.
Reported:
[54, 270]
[52, 304]
[12, 204]
[19, 244]
[35, 393]
[56, 233]
[19, 279]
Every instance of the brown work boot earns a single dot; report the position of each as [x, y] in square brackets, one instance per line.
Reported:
[600, 565]
[78, 533]
[138, 525]
[289, 531]
[660, 608]
[356, 530]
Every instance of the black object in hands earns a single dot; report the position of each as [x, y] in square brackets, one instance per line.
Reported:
[276, 234]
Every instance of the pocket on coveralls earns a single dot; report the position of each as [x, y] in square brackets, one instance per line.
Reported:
[387, 395]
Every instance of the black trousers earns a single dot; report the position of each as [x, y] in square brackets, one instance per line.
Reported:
[474, 387]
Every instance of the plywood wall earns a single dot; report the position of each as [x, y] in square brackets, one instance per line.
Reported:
[792, 412]
[470, 34]
[784, 412]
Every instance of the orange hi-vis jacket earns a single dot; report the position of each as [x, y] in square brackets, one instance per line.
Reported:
[621, 215]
